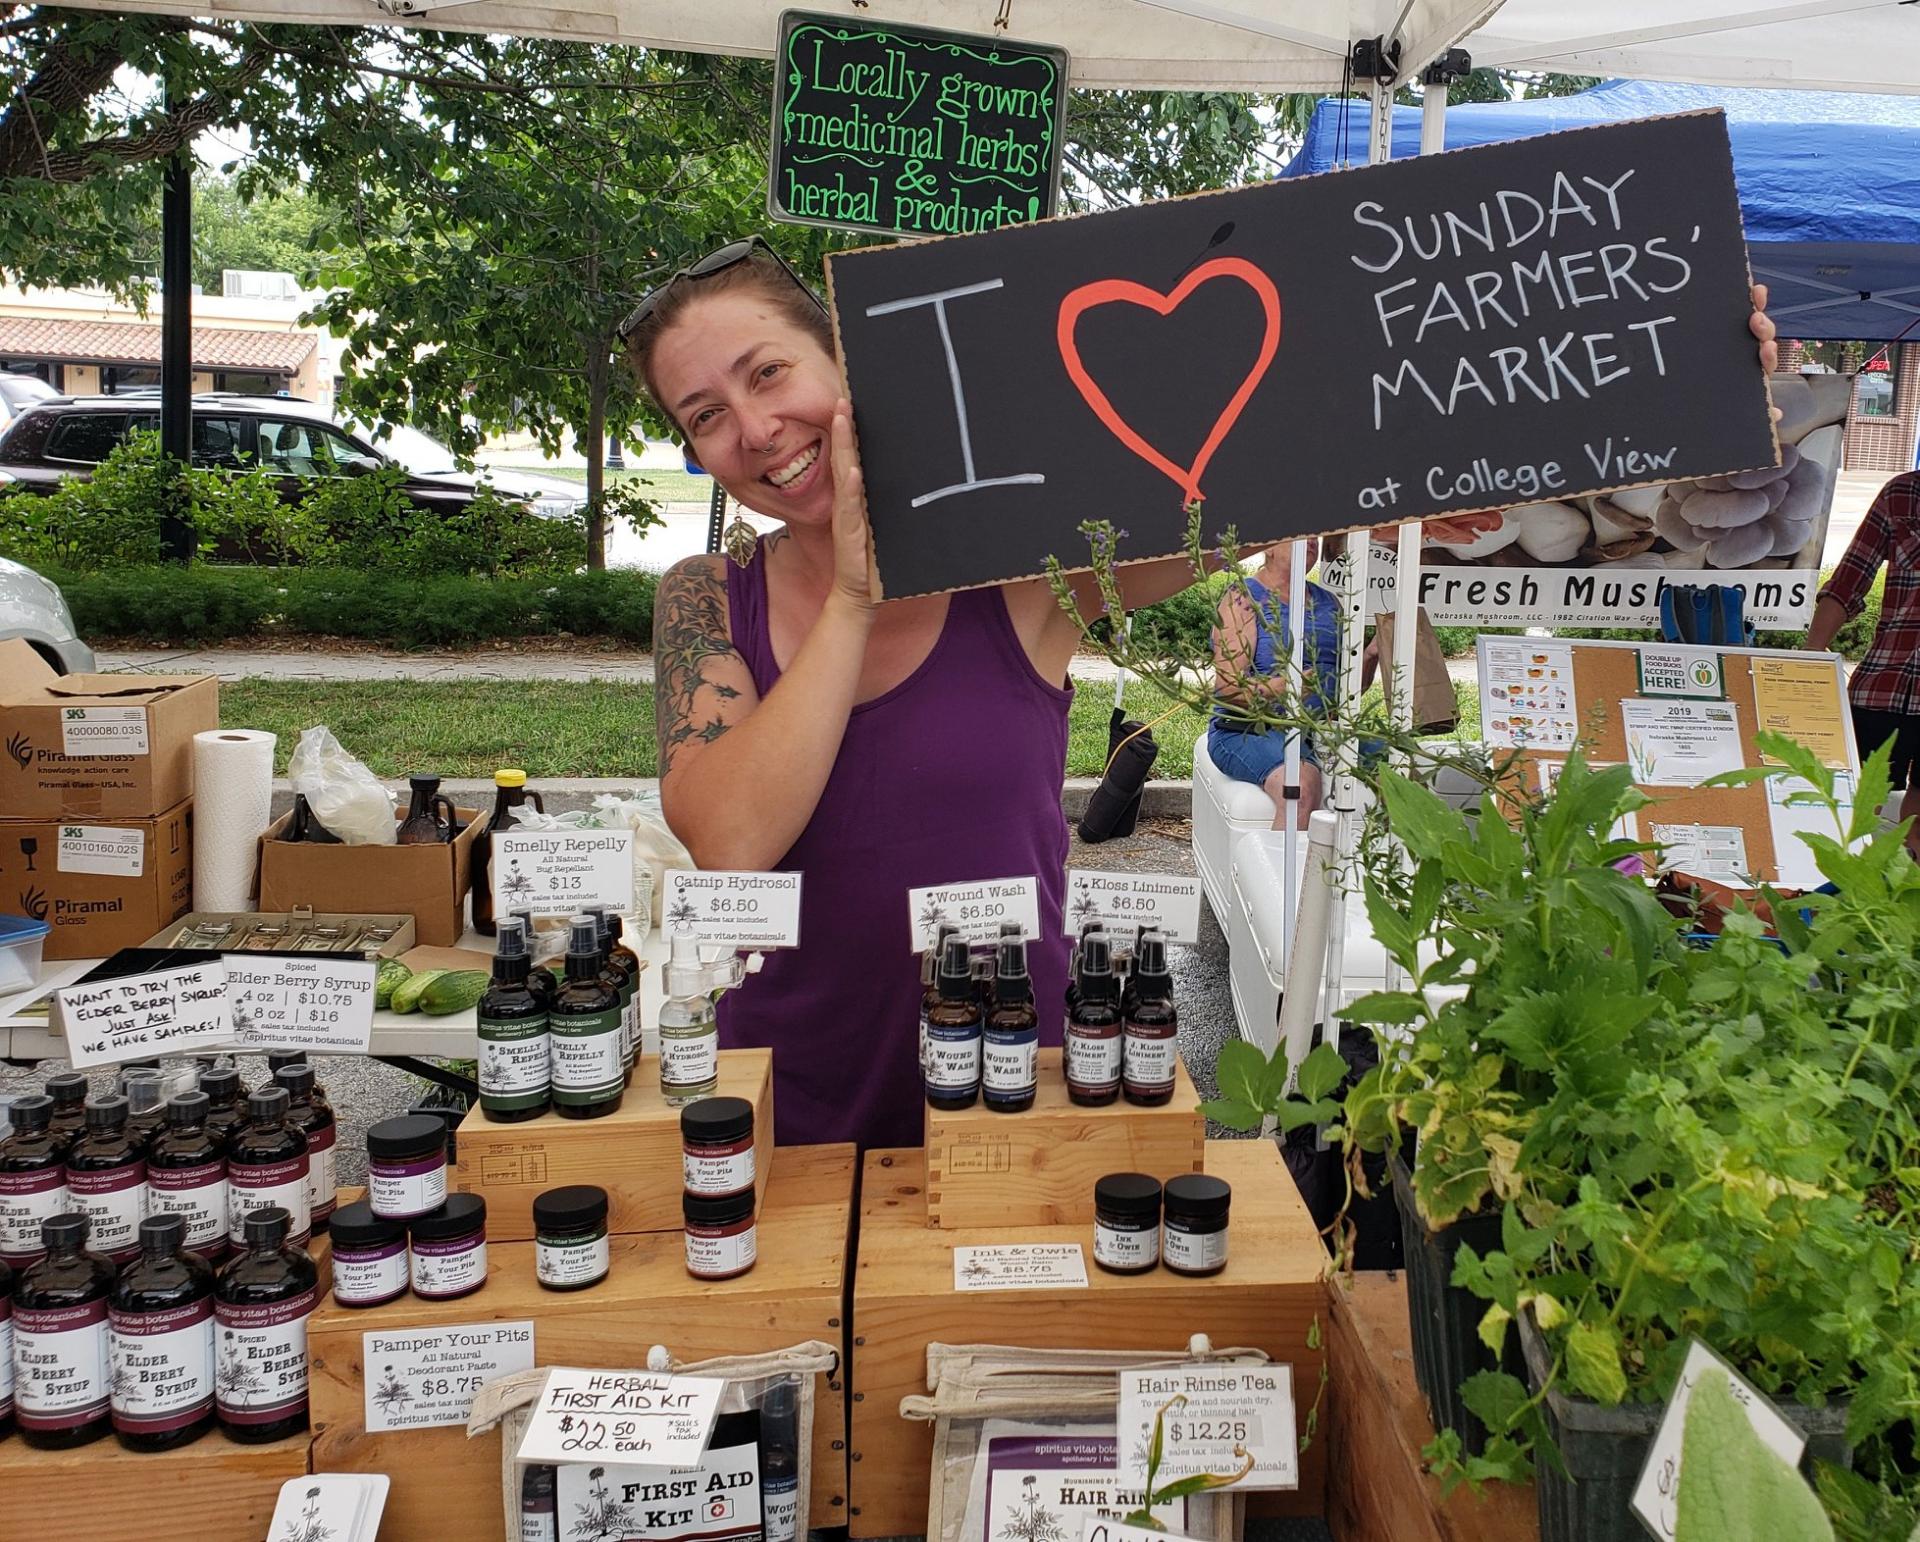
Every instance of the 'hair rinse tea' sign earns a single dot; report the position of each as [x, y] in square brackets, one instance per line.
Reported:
[910, 131]
[1519, 323]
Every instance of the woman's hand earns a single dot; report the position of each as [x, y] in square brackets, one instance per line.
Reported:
[1760, 324]
[855, 578]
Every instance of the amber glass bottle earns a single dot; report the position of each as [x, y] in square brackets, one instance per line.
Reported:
[262, 1300]
[160, 1338]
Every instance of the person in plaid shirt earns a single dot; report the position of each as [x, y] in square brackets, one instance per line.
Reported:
[1885, 690]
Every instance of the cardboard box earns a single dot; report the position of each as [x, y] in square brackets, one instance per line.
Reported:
[143, 726]
[83, 881]
[428, 883]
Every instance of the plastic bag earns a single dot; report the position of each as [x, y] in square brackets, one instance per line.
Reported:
[655, 848]
[344, 795]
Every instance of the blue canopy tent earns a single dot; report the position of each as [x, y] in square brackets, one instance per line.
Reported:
[1829, 185]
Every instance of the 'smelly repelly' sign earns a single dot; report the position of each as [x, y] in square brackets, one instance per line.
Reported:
[1527, 322]
[912, 131]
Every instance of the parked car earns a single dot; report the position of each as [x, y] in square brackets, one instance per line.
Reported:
[34, 608]
[19, 392]
[423, 455]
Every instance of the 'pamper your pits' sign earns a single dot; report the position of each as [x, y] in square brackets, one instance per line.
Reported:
[1527, 321]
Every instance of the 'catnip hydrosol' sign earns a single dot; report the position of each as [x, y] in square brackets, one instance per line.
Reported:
[1523, 322]
[911, 131]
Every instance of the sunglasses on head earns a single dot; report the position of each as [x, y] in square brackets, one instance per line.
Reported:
[716, 261]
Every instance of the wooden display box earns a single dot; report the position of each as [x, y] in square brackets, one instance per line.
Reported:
[212, 1490]
[632, 1153]
[1377, 1423]
[1268, 1297]
[447, 1486]
[1038, 1168]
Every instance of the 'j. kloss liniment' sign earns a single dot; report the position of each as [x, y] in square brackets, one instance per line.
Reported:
[911, 131]
[1521, 323]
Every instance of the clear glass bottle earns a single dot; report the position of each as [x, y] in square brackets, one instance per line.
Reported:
[187, 1176]
[1010, 1036]
[588, 1079]
[145, 1090]
[515, 1073]
[1151, 1050]
[60, 1355]
[1094, 1043]
[160, 1342]
[263, 1297]
[953, 1033]
[509, 793]
[309, 1112]
[689, 1029]
[107, 1180]
[33, 1179]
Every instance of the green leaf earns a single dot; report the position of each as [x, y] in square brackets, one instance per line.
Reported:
[1731, 1484]
[1393, 930]
[1396, 1007]
[1241, 1069]
[1495, 1398]
[1493, 1327]
[1593, 1362]
[1424, 824]
[1234, 1114]
[1876, 781]
[1321, 1073]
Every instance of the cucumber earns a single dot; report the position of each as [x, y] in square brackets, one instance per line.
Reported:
[454, 991]
[386, 978]
[406, 995]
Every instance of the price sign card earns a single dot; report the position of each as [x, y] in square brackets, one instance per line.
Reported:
[145, 1015]
[318, 1004]
[1216, 1417]
[1097, 1528]
[1021, 1266]
[737, 910]
[643, 1418]
[1125, 901]
[977, 909]
[427, 1376]
[1656, 1497]
[556, 872]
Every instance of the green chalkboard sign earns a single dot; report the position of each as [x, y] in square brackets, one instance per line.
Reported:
[909, 131]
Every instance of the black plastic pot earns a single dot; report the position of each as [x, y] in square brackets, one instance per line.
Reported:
[1603, 1450]
[1445, 1318]
[1322, 1180]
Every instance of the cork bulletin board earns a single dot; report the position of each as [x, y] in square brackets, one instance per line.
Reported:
[1678, 715]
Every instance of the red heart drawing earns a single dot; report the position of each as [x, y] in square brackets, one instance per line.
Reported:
[1106, 290]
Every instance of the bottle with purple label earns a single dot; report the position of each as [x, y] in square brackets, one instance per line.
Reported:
[160, 1342]
[69, 1093]
[107, 1180]
[309, 1112]
[187, 1176]
[262, 1300]
[33, 1179]
[60, 1340]
[267, 1166]
[6, 1350]
[227, 1109]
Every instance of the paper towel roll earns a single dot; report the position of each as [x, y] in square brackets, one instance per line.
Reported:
[232, 804]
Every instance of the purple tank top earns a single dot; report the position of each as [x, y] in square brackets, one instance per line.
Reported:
[954, 774]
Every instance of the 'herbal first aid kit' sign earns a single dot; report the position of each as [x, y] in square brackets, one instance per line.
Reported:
[1529, 321]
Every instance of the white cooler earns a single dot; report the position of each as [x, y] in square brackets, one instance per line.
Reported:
[1223, 811]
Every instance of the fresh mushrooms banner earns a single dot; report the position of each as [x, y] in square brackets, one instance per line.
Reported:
[1525, 323]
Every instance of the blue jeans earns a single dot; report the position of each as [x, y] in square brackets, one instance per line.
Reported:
[1253, 757]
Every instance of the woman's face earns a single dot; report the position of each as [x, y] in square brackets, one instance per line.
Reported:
[755, 396]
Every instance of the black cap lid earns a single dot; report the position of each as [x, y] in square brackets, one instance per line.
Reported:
[285, 1057]
[1010, 982]
[1096, 967]
[714, 1120]
[64, 1231]
[163, 1234]
[511, 938]
[616, 927]
[583, 938]
[108, 1112]
[423, 779]
[1150, 972]
[1198, 1194]
[32, 1113]
[573, 1208]
[407, 1135]
[956, 970]
[297, 1078]
[724, 1210]
[356, 1226]
[67, 1089]
[266, 1227]
[1127, 1194]
[221, 1083]
[187, 1108]
[267, 1103]
[462, 1213]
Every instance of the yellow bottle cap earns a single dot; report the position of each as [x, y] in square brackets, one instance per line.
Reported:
[509, 778]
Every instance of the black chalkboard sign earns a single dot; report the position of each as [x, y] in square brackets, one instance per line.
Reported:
[1519, 323]
[911, 131]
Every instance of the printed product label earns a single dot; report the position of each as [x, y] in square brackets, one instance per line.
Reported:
[539, 1520]
[197, 1193]
[780, 1500]
[160, 1367]
[253, 1187]
[27, 1199]
[1093, 1058]
[1124, 1248]
[261, 1373]
[377, 1274]
[6, 1357]
[102, 849]
[114, 1202]
[711, 1252]
[720, 1170]
[1150, 1062]
[515, 1062]
[572, 1263]
[953, 1058]
[402, 1190]
[923, 1043]
[587, 1068]
[320, 1188]
[60, 1360]
[103, 731]
[1009, 1064]
[688, 1063]
[1193, 1250]
[630, 1023]
[448, 1268]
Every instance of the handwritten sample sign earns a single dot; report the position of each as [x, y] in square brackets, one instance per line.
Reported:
[144, 1015]
[1127, 901]
[912, 131]
[421, 1377]
[556, 872]
[322, 1005]
[1216, 1417]
[738, 910]
[977, 909]
[1524, 322]
[645, 1418]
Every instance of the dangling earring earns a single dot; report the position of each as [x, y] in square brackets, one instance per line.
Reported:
[739, 539]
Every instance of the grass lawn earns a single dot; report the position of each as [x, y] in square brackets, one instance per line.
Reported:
[666, 486]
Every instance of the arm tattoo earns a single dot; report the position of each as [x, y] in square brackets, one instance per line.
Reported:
[690, 631]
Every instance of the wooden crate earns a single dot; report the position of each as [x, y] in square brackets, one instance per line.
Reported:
[1377, 1423]
[632, 1153]
[1268, 1297]
[1038, 1168]
[446, 1486]
[211, 1491]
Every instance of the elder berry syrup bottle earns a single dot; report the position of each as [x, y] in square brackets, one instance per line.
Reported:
[262, 1300]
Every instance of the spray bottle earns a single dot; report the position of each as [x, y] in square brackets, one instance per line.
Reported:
[689, 1030]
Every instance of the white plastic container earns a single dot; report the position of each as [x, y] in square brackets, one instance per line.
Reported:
[20, 942]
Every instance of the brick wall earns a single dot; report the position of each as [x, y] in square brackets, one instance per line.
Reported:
[1879, 444]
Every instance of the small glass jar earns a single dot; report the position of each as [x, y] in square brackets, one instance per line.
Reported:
[1126, 1223]
[447, 1249]
[369, 1256]
[716, 1137]
[1194, 1240]
[720, 1235]
[570, 1250]
[407, 1166]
